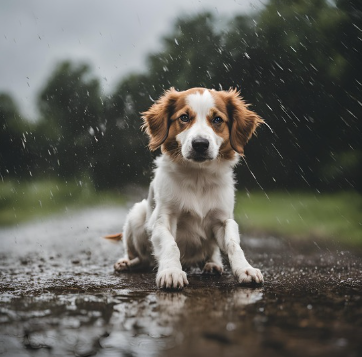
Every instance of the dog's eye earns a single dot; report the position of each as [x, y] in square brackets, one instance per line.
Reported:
[217, 120]
[184, 118]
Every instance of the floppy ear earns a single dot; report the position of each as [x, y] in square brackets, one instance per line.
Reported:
[156, 120]
[243, 121]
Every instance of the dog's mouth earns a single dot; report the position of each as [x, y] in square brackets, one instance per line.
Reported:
[199, 157]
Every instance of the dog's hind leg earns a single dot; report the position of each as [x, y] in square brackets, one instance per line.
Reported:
[214, 264]
[135, 239]
[126, 264]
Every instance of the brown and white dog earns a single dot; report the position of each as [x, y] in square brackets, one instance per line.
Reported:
[188, 215]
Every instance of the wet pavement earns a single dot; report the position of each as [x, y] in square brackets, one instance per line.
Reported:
[60, 297]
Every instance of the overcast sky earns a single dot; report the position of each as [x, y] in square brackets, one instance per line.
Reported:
[114, 36]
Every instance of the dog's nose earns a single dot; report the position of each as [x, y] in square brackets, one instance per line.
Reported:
[200, 145]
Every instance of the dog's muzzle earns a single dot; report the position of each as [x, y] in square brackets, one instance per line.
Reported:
[200, 148]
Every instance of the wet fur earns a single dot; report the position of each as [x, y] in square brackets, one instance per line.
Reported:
[188, 215]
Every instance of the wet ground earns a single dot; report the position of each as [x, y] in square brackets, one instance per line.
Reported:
[60, 297]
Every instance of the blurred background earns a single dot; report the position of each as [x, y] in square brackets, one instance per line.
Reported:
[74, 77]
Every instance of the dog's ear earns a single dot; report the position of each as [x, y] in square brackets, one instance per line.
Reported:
[156, 120]
[243, 121]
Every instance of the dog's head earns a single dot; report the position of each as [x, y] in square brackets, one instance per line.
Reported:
[200, 125]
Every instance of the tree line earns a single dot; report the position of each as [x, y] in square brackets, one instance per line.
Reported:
[298, 62]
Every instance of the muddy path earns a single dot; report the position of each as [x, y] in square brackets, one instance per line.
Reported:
[60, 297]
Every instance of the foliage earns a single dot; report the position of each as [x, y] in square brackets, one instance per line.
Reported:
[297, 61]
[15, 139]
[122, 157]
[71, 119]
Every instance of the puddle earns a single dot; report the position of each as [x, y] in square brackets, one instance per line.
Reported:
[60, 297]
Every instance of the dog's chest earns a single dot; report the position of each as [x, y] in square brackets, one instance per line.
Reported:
[198, 196]
[197, 209]
[195, 202]
[194, 237]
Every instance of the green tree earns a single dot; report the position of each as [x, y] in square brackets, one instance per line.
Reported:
[297, 61]
[15, 139]
[123, 158]
[292, 62]
[300, 72]
[189, 55]
[299, 37]
[72, 121]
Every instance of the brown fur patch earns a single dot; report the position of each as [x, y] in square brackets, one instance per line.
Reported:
[226, 151]
[242, 121]
[171, 146]
[156, 120]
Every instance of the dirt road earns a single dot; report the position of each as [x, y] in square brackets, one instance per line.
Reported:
[60, 297]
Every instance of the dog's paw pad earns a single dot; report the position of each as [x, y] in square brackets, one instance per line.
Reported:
[249, 275]
[212, 268]
[171, 278]
[122, 264]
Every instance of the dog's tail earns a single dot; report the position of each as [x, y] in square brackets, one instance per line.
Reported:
[114, 237]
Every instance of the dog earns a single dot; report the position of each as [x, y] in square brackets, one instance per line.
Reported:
[187, 218]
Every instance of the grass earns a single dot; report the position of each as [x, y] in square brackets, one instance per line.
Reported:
[24, 201]
[335, 216]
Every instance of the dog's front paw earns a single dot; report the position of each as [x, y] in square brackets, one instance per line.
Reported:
[248, 274]
[171, 278]
[211, 268]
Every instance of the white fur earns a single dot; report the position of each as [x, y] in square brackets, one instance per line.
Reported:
[188, 216]
[201, 105]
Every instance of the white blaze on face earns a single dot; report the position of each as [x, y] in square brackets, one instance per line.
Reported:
[201, 104]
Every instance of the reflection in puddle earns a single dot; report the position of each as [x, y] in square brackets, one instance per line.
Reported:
[135, 323]
[247, 296]
[170, 304]
[155, 319]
